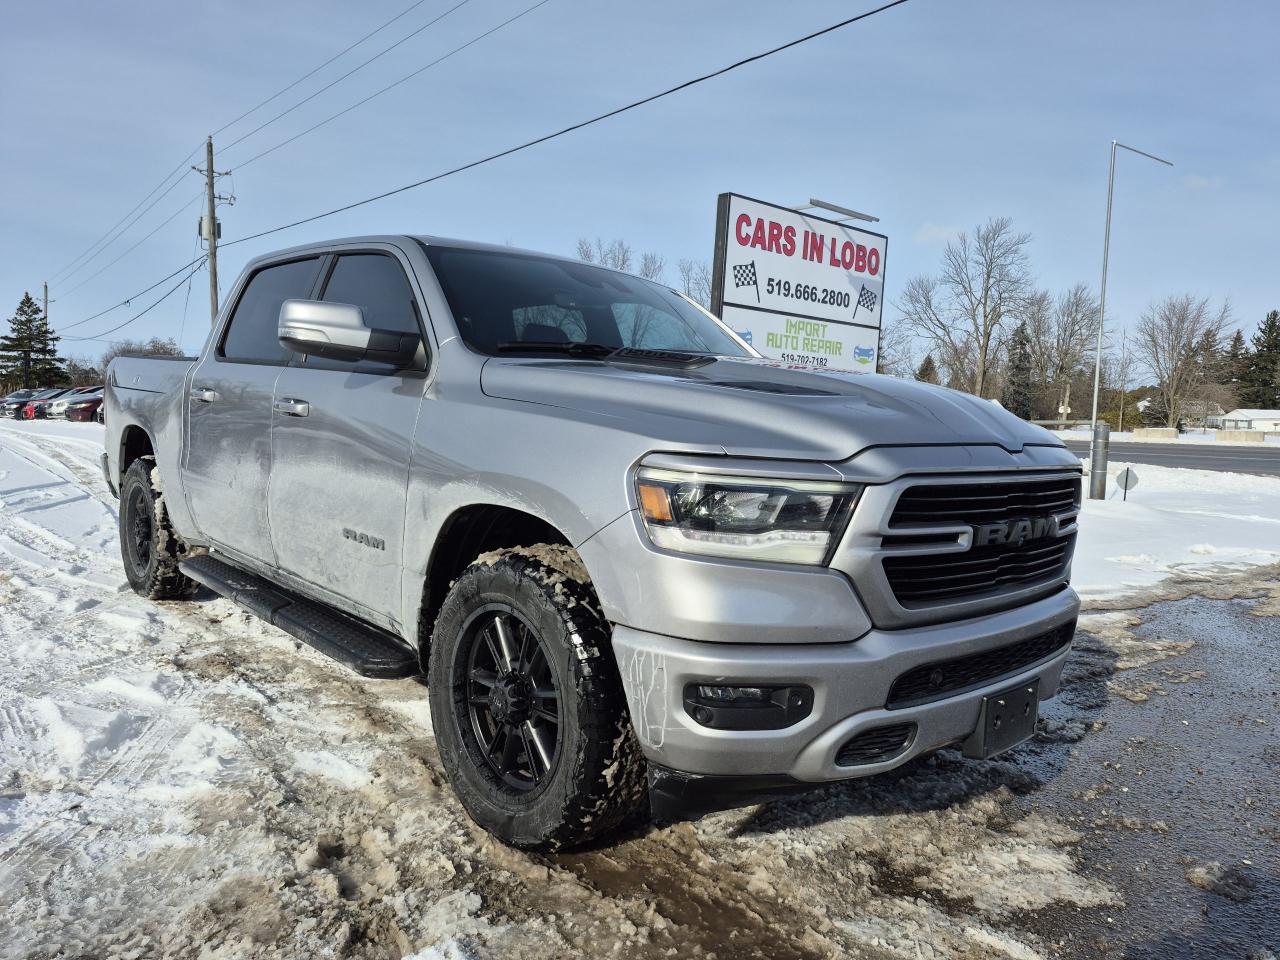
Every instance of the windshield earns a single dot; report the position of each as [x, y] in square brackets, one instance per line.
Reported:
[503, 298]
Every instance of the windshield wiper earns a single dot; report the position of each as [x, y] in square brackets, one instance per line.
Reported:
[566, 347]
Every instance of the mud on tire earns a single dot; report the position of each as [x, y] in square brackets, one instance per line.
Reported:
[149, 547]
[555, 634]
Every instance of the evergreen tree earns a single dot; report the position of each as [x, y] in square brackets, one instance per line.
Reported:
[1213, 358]
[1017, 397]
[29, 354]
[928, 370]
[1235, 361]
[1260, 387]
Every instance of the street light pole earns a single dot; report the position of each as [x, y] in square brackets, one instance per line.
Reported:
[1106, 252]
[1098, 451]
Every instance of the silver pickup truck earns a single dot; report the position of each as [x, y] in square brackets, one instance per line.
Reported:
[629, 554]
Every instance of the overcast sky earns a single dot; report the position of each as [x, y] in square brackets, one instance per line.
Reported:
[933, 116]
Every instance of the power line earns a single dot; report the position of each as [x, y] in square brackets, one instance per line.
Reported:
[357, 67]
[504, 153]
[165, 179]
[161, 225]
[575, 127]
[307, 76]
[107, 239]
[143, 313]
[129, 300]
[390, 86]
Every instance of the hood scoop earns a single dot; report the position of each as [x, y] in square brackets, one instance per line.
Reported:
[768, 386]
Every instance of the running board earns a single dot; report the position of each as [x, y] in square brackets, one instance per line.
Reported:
[367, 650]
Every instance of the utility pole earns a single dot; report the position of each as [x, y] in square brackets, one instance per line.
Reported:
[211, 228]
[46, 303]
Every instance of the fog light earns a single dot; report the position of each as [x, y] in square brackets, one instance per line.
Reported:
[731, 694]
[732, 707]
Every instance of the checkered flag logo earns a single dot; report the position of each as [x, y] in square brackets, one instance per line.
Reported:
[866, 299]
[744, 275]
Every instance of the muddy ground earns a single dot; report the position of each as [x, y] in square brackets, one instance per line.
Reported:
[179, 780]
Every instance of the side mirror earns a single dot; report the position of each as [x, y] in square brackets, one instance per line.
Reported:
[338, 331]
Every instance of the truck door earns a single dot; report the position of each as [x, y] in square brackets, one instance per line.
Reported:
[228, 437]
[340, 448]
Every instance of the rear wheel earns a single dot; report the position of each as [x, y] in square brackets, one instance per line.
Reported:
[148, 545]
[526, 702]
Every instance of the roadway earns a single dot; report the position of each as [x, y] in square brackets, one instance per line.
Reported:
[1263, 460]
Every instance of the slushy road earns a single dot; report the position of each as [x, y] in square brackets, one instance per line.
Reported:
[1261, 459]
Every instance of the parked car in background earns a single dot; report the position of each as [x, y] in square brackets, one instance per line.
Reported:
[37, 408]
[58, 408]
[14, 404]
[9, 405]
[84, 408]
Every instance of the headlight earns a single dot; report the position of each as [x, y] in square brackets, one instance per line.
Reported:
[744, 518]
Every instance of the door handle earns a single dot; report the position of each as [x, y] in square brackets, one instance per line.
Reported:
[292, 408]
[205, 396]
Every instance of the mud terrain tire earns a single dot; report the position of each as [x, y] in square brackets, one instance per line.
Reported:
[149, 547]
[597, 775]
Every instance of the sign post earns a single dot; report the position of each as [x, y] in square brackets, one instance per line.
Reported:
[801, 289]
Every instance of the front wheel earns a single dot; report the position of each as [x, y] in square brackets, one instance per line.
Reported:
[149, 546]
[527, 705]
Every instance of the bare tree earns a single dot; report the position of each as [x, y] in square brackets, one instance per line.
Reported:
[616, 254]
[695, 281]
[652, 266]
[1170, 342]
[155, 347]
[1060, 330]
[897, 350]
[984, 285]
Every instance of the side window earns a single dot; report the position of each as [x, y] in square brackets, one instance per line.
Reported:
[253, 333]
[377, 285]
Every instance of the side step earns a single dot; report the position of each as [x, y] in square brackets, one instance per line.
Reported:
[367, 650]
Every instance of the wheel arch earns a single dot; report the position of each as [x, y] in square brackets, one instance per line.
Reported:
[135, 443]
[465, 534]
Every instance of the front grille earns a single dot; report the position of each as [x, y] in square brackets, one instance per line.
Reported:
[919, 579]
[930, 577]
[876, 745]
[938, 503]
[944, 678]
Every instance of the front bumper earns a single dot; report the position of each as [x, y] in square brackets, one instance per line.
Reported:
[851, 683]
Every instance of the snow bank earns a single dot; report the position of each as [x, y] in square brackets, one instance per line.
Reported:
[1176, 521]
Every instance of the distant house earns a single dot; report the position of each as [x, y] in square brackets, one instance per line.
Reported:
[1203, 413]
[1268, 420]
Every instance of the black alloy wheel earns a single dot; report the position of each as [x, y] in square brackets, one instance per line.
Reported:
[513, 702]
[137, 529]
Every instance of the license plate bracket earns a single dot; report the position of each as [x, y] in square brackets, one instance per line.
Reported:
[1005, 720]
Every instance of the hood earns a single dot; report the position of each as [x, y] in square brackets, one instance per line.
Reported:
[762, 408]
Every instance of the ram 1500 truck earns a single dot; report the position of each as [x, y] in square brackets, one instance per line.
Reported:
[628, 553]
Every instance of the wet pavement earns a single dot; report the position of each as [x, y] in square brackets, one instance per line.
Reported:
[1176, 787]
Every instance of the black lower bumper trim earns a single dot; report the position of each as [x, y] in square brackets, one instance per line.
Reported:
[675, 795]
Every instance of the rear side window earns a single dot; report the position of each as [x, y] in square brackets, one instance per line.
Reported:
[254, 331]
[377, 285]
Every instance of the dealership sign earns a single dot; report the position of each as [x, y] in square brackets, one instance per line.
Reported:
[801, 289]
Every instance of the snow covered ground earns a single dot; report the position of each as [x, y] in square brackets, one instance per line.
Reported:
[1174, 522]
[180, 780]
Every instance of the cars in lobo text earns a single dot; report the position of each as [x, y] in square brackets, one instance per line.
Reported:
[629, 554]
